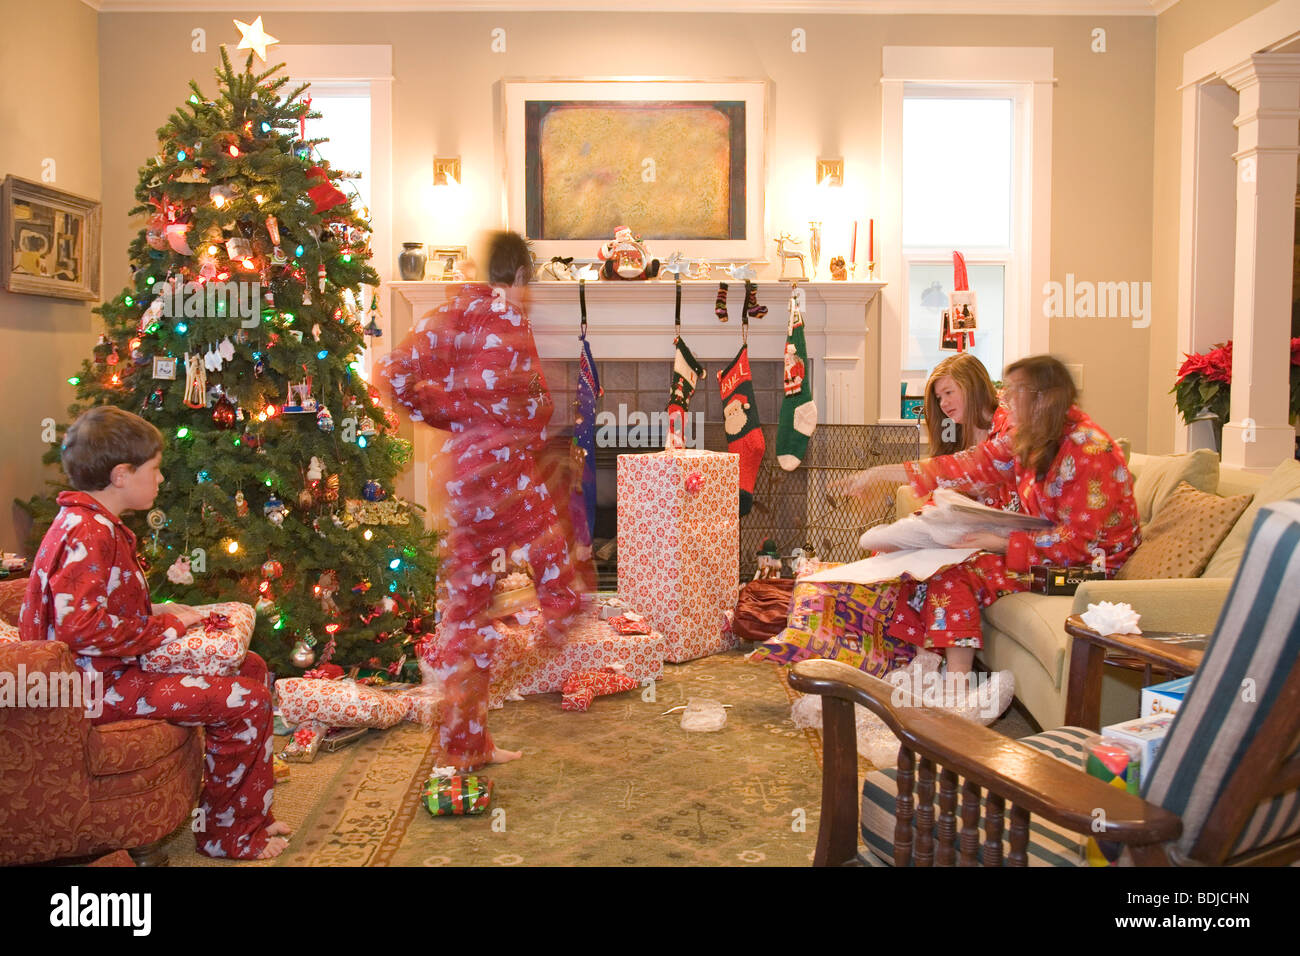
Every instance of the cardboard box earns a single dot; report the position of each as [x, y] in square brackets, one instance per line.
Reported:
[1048, 579]
[1145, 733]
[1164, 698]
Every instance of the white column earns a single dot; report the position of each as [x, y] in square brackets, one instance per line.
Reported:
[1207, 223]
[1258, 434]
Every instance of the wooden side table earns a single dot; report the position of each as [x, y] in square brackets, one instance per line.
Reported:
[1179, 654]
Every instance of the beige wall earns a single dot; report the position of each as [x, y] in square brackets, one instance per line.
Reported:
[49, 107]
[825, 102]
[1180, 28]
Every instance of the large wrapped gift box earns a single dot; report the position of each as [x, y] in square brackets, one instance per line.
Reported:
[679, 546]
[215, 647]
[337, 703]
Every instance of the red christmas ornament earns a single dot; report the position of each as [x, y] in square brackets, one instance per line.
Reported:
[324, 195]
[223, 415]
[272, 569]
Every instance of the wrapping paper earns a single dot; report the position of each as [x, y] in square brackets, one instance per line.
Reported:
[457, 795]
[337, 703]
[583, 687]
[210, 650]
[592, 646]
[679, 552]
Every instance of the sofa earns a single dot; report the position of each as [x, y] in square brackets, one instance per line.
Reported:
[72, 789]
[1025, 633]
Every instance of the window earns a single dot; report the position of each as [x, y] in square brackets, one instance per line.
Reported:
[345, 120]
[959, 153]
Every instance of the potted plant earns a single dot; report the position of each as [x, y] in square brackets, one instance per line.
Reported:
[1202, 389]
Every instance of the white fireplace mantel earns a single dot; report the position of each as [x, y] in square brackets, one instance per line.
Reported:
[634, 321]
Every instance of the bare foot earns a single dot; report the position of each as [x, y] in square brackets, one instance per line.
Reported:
[279, 829]
[274, 847]
[505, 756]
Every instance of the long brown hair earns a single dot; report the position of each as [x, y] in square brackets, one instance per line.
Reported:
[976, 387]
[1037, 439]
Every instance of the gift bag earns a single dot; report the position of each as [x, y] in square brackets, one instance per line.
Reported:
[215, 647]
[679, 546]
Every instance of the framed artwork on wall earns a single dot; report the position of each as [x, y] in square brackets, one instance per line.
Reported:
[49, 241]
[682, 163]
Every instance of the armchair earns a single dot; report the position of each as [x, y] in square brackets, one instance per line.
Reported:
[1223, 790]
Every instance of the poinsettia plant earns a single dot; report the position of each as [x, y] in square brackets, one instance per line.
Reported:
[1204, 382]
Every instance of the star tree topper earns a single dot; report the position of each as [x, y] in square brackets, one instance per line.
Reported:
[254, 37]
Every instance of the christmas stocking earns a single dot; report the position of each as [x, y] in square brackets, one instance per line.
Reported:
[798, 410]
[740, 418]
[686, 375]
[584, 441]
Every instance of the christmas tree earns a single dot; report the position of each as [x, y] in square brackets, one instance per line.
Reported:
[240, 338]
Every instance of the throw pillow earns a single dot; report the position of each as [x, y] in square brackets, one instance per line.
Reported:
[1156, 476]
[1184, 534]
[1284, 482]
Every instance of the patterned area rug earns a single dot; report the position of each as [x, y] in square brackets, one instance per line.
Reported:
[617, 785]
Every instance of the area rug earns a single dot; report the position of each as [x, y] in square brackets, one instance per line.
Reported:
[619, 785]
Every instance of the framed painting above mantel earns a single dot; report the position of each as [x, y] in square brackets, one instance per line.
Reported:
[682, 163]
[49, 241]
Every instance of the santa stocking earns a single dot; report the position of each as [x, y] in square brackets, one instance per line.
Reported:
[686, 374]
[798, 410]
[740, 417]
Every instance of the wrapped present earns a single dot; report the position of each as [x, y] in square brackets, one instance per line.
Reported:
[1119, 764]
[629, 624]
[456, 794]
[582, 688]
[678, 549]
[591, 645]
[304, 743]
[215, 647]
[336, 703]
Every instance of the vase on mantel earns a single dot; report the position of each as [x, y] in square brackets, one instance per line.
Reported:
[411, 262]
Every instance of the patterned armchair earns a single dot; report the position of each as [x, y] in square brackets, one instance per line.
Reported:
[70, 789]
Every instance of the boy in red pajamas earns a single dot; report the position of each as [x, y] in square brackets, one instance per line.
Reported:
[472, 369]
[87, 590]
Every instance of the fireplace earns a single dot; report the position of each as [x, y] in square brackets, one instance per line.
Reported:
[631, 329]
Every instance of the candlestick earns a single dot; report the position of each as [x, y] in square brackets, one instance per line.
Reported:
[871, 240]
[815, 246]
[853, 254]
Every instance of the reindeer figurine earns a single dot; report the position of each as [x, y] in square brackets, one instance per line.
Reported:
[781, 242]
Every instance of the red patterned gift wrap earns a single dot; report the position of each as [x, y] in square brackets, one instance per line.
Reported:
[215, 647]
[337, 703]
[679, 549]
[592, 645]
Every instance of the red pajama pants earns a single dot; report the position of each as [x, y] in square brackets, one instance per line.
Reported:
[944, 611]
[235, 713]
[496, 508]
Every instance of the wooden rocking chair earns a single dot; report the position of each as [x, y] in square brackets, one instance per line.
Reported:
[1223, 790]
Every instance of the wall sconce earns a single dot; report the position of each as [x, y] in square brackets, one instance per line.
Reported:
[830, 172]
[446, 171]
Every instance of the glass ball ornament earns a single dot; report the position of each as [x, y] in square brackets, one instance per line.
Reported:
[302, 656]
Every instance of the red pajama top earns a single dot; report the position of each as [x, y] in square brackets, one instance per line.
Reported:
[1087, 492]
[87, 589]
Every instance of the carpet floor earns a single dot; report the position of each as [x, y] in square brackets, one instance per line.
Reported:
[618, 785]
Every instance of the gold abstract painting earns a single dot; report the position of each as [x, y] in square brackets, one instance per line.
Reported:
[667, 170]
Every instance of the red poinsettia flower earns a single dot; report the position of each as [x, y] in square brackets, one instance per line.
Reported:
[1219, 364]
[1295, 351]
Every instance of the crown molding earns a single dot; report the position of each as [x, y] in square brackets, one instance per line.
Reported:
[1109, 8]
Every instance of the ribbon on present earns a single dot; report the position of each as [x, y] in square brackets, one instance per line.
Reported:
[215, 623]
[584, 686]
[626, 624]
[694, 482]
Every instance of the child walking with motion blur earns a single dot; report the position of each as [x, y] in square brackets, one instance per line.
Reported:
[88, 590]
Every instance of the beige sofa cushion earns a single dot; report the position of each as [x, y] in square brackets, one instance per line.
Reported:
[1036, 622]
[1284, 482]
[1183, 535]
[1156, 476]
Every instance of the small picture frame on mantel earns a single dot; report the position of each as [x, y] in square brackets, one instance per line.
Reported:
[49, 241]
[444, 263]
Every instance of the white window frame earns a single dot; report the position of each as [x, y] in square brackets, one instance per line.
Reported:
[1024, 74]
[359, 66]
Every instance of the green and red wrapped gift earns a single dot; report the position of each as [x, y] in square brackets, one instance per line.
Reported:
[457, 795]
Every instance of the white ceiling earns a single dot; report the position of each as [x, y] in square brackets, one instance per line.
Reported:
[950, 7]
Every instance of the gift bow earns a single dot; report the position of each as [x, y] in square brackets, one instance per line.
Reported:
[215, 622]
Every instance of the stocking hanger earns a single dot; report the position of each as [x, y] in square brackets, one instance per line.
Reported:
[582, 304]
[677, 310]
